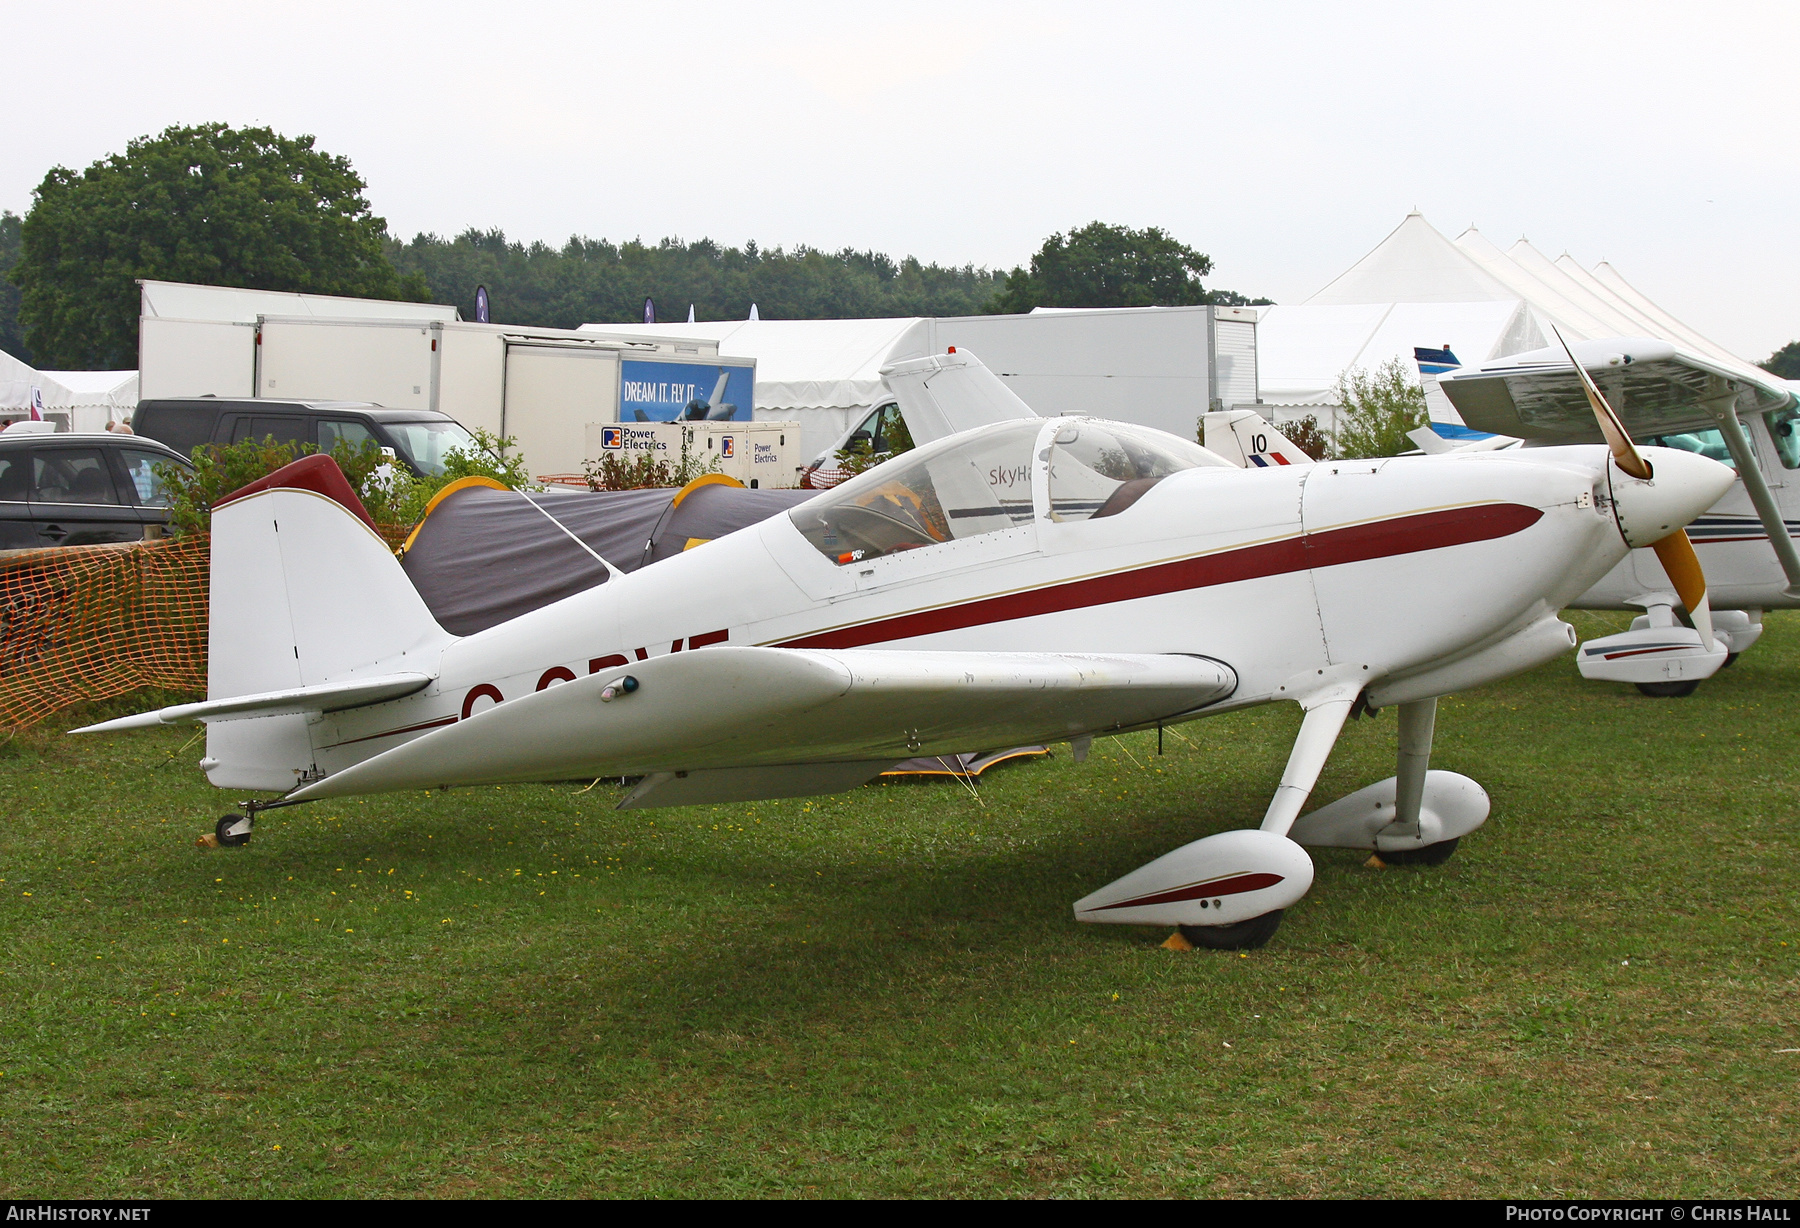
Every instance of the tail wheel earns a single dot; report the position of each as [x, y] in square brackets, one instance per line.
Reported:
[1669, 690]
[229, 838]
[1427, 855]
[1244, 936]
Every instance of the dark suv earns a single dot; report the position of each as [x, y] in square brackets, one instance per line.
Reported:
[418, 438]
[80, 490]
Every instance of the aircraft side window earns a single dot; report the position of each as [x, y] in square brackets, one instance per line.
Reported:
[1710, 444]
[1784, 429]
[1099, 469]
[977, 483]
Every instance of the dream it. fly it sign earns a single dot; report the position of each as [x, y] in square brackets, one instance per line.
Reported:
[685, 392]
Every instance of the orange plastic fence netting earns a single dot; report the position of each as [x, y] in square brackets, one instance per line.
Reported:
[93, 622]
[83, 623]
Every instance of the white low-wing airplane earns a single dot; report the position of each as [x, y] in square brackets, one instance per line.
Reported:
[1030, 580]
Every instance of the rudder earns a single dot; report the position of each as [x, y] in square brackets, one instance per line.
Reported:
[303, 592]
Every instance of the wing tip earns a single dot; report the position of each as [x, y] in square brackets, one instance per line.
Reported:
[142, 720]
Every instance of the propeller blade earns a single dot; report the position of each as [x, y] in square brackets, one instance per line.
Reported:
[1676, 553]
[1625, 453]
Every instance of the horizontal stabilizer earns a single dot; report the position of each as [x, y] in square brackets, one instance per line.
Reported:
[727, 707]
[327, 697]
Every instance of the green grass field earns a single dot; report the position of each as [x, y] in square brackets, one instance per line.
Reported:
[521, 992]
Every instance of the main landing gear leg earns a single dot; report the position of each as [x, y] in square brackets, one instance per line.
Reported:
[1414, 817]
[1418, 720]
[1312, 747]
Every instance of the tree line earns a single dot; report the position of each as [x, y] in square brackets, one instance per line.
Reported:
[255, 209]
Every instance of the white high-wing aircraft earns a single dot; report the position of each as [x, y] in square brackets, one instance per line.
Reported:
[1030, 580]
[1669, 395]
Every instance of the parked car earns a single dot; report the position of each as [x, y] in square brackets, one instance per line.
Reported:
[418, 438]
[80, 490]
[884, 430]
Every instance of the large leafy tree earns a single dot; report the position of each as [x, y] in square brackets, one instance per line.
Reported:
[1111, 266]
[1784, 362]
[12, 337]
[211, 204]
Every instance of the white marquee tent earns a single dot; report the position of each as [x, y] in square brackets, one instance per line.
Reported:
[84, 400]
[1417, 288]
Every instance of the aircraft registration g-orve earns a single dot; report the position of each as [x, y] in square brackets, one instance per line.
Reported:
[1030, 580]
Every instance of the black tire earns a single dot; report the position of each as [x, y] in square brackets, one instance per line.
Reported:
[1730, 660]
[1428, 855]
[1244, 936]
[1669, 690]
[223, 832]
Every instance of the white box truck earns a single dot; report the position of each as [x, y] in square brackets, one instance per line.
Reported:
[540, 386]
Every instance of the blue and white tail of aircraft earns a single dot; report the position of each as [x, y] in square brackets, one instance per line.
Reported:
[1445, 431]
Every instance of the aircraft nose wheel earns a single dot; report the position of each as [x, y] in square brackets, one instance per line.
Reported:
[1244, 936]
[233, 831]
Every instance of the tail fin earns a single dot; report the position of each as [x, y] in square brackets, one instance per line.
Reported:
[1246, 439]
[304, 592]
[941, 394]
[1433, 363]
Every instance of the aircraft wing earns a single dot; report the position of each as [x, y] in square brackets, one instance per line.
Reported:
[1655, 386]
[769, 711]
[325, 697]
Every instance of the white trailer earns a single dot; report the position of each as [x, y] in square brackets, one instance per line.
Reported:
[1155, 366]
[540, 386]
[201, 340]
[1158, 366]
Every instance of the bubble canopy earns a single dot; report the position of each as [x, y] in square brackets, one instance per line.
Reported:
[986, 480]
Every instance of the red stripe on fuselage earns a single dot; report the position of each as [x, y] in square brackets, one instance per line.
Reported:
[1330, 548]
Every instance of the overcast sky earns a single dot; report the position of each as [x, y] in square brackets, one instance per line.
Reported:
[1284, 140]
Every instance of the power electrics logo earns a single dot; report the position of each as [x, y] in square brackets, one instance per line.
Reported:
[726, 447]
[612, 437]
